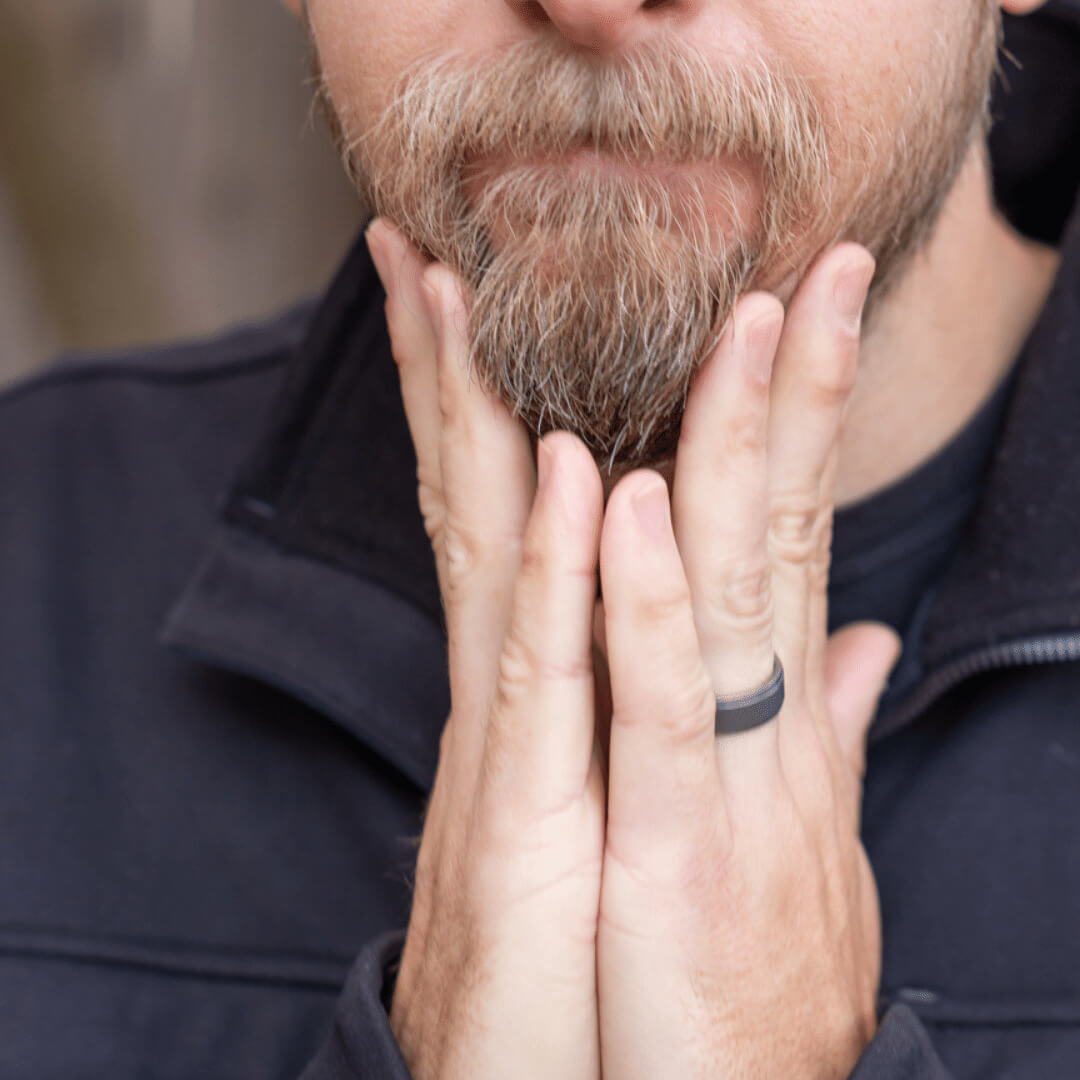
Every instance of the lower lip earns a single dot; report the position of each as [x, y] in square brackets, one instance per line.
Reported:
[728, 185]
[589, 161]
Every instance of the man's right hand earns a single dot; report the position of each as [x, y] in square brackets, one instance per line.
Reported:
[498, 975]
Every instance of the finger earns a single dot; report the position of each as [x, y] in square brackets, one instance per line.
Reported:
[721, 523]
[814, 374]
[859, 658]
[720, 499]
[487, 481]
[663, 787]
[539, 743]
[412, 337]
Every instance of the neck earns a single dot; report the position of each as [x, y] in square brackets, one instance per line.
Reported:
[943, 339]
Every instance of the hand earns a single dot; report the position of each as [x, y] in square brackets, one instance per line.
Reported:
[739, 931]
[498, 975]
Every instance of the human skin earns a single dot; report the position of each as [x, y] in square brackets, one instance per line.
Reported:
[622, 891]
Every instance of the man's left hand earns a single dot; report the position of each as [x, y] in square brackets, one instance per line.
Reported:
[739, 929]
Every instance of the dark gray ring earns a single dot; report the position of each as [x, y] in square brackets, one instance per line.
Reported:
[754, 709]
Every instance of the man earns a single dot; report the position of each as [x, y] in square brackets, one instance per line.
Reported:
[746, 249]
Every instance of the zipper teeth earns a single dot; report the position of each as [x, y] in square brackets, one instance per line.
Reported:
[1045, 649]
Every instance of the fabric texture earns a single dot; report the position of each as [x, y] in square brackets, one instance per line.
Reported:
[901, 1047]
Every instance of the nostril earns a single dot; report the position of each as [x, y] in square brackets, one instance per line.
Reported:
[534, 10]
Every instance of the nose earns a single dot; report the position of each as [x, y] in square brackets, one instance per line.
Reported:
[602, 25]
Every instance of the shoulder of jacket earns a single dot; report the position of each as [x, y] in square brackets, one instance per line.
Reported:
[240, 351]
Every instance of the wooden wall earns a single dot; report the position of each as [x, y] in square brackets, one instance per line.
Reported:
[161, 173]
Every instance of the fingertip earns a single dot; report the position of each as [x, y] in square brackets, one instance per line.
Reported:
[854, 255]
[571, 473]
[652, 512]
[575, 458]
[440, 296]
[445, 299]
[850, 288]
[859, 659]
[637, 522]
[759, 321]
[834, 259]
[752, 334]
[758, 305]
[375, 236]
[840, 279]
[383, 234]
[895, 646]
[620, 501]
[432, 301]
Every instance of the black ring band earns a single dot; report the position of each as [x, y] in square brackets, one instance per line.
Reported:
[754, 709]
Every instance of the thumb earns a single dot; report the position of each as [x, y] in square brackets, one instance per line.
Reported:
[858, 660]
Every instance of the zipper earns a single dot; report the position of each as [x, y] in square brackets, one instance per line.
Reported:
[1023, 652]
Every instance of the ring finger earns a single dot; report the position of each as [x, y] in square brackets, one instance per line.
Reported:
[720, 505]
[815, 372]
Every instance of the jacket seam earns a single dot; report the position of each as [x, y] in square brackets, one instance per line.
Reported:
[132, 371]
[233, 966]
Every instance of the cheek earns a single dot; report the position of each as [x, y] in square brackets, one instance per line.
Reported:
[860, 55]
[365, 45]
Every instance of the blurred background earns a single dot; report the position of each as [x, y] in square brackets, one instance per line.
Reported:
[162, 173]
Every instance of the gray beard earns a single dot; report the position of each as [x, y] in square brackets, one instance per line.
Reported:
[595, 300]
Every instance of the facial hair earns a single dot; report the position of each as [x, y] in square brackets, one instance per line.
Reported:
[598, 291]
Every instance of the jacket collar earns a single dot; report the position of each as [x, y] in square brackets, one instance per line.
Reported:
[320, 580]
[1017, 572]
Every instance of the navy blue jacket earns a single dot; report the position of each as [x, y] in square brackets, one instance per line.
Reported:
[222, 681]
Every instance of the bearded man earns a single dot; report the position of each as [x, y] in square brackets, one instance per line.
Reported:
[732, 368]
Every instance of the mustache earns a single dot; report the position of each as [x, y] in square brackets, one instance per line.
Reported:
[660, 102]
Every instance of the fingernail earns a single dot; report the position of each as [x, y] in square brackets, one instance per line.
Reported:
[849, 292]
[760, 340]
[653, 512]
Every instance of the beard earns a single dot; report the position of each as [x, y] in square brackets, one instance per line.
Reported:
[607, 217]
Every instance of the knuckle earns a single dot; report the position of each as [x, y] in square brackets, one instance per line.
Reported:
[745, 434]
[522, 666]
[546, 558]
[828, 395]
[470, 554]
[516, 674]
[432, 508]
[663, 605]
[742, 598]
[833, 381]
[461, 555]
[679, 719]
[515, 682]
[795, 523]
[534, 559]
